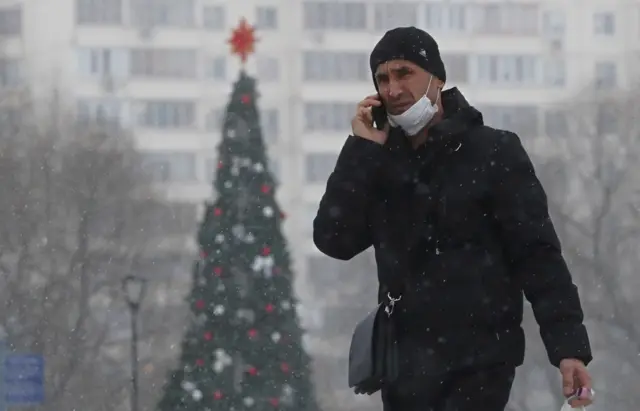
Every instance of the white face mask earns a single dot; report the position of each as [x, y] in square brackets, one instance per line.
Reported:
[416, 117]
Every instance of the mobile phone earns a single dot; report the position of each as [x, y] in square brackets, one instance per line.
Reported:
[379, 115]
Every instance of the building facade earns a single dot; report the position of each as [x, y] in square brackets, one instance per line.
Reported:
[163, 69]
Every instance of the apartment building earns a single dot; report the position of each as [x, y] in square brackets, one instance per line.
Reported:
[163, 69]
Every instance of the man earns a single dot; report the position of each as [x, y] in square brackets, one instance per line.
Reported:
[453, 207]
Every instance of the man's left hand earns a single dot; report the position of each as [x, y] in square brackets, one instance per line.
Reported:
[574, 377]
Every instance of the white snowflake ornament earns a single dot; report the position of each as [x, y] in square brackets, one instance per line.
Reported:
[228, 184]
[275, 337]
[219, 239]
[238, 231]
[263, 264]
[197, 395]
[258, 167]
[222, 360]
[218, 310]
[248, 401]
[268, 212]
[250, 238]
[188, 386]
[231, 133]
[285, 305]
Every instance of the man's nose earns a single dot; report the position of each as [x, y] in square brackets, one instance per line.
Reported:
[394, 89]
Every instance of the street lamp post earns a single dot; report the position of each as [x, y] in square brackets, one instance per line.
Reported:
[134, 288]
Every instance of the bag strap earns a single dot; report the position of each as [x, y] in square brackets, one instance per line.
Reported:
[393, 284]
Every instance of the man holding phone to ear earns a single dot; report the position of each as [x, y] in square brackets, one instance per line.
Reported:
[454, 209]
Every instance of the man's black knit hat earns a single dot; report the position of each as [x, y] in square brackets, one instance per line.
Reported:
[412, 44]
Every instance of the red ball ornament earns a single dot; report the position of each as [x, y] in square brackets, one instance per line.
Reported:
[217, 211]
[253, 333]
[284, 367]
[203, 254]
[274, 402]
[283, 216]
[246, 99]
[217, 395]
[220, 164]
[265, 189]
[266, 251]
[208, 335]
[200, 304]
[217, 271]
[199, 362]
[252, 371]
[269, 308]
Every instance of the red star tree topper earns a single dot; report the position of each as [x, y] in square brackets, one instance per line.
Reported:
[243, 40]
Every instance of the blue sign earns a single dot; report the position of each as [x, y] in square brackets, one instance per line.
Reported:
[3, 352]
[24, 379]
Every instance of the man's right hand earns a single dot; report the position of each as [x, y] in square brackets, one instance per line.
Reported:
[362, 122]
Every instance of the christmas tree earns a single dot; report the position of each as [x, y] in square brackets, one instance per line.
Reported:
[243, 348]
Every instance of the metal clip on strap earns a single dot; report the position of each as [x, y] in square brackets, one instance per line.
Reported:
[389, 307]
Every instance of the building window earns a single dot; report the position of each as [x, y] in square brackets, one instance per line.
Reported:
[555, 72]
[10, 72]
[164, 13]
[319, 166]
[391, 15]
[606, 74]
[217, 68]
[167, 114]
[213, 18]
[266, 18]
[336, 66]
[446, 17]
[334, 15]
[99, 12]
[11, 21]
[101, 62]
[522, 120]
[604, 23]
[268, 69]
[507, 70]
[457, 67]
[270, 123]
[170, 166]
[555, 123]
[554, 23]
[506, 18]
[274, 168]
[165, 63]
[103, 111]
[328, 116]
[213, 119]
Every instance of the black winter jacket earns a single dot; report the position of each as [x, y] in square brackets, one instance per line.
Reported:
[464, 221]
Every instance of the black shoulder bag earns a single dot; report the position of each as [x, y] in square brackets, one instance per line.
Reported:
[373, 354]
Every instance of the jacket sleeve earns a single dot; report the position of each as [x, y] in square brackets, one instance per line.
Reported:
[341, 229]
[534, 252]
